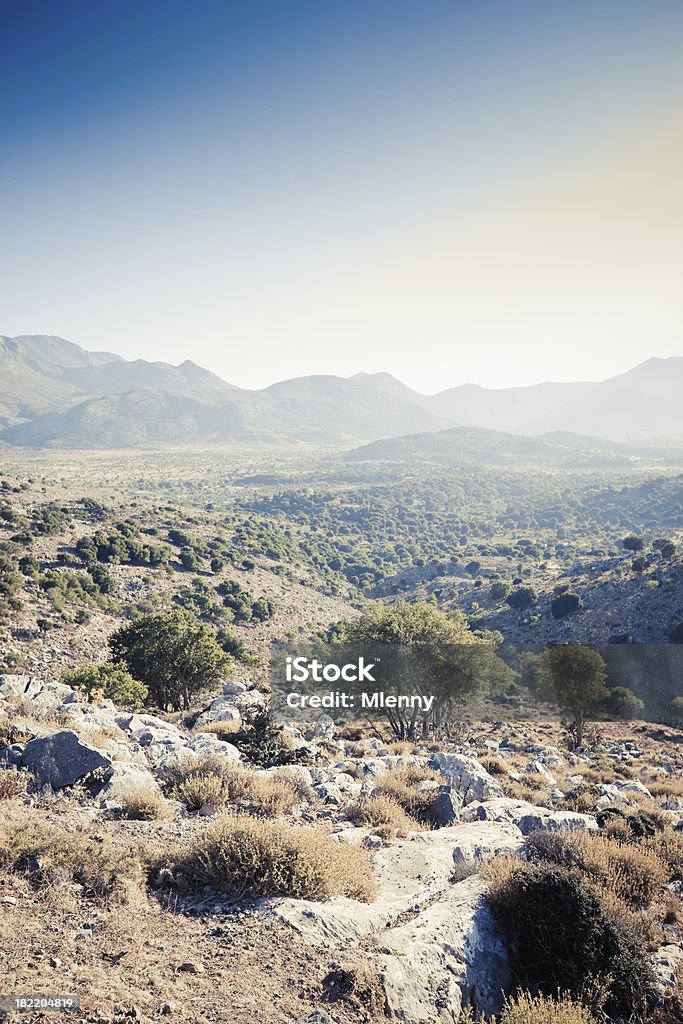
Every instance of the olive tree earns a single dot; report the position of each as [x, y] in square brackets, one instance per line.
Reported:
[424, 651]
[173, 653]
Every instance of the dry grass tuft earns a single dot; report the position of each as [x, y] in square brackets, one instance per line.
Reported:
[145, 804]
[527, 1009]
[667, 845]
[223, 730]
[12, 784]
[494, 764]
[530, 792]
[201, 788]
[384, 814]
[400, 785]
[244, 788]
[243, 854]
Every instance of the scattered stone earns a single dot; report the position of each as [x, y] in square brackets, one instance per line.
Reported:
[667, 962]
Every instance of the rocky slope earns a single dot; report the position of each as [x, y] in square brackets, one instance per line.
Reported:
[426, 947]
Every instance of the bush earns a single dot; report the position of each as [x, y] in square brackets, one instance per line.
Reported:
[565, 604]
[384, 814]
[667, 845]
[523, 597]
[564, 938]
[261, 794]
[145, 804]
[113, 682]
[673, 712]
[200, 788]
[623, 703]
[258, 794]
[242, 855]
[104, 869]
[264, 742]
[630, 872]
[527, 1009]
[400, 784]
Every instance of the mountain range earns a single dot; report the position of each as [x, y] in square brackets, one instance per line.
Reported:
[54, 393]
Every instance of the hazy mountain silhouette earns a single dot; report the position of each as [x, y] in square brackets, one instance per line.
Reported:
[53, 392]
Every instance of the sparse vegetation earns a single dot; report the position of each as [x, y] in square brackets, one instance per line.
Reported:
[242, 854]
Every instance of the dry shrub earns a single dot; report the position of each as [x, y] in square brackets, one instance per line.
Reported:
[493, 764]
[672, 910]
[631, 873]
[399, 747]
[564, 938]
[106, 870]
[224, 730]
[616, 827]
[384, 814]
[529, 792]
[291, 776]
[665, 786]
[201, 788]
[145, 804]
[400, 786]
[583, 801]
[217, 781]
[261, 794]
[12, 784]
[667, 845]
[242, 854]
[527, 1009]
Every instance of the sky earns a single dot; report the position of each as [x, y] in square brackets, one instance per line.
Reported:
[446, 191]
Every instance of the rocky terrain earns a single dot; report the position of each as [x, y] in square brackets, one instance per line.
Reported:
[422, 946]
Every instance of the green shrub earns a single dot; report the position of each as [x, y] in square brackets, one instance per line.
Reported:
[114, 682]
[564, 938]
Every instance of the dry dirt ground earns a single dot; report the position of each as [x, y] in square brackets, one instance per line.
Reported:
[146, 963]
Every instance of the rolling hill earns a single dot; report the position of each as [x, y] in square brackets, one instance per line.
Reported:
[466, 446]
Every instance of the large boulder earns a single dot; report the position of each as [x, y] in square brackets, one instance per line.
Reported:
[124, 779]
[61, 759]
[449, 957]
[468, 778]
[437, 946]
[50, 696]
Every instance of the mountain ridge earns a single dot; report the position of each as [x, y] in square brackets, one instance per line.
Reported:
[55, 393]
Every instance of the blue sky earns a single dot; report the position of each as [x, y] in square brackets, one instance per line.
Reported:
[447, 191]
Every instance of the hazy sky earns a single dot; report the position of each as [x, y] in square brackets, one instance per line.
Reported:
[486, 191]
